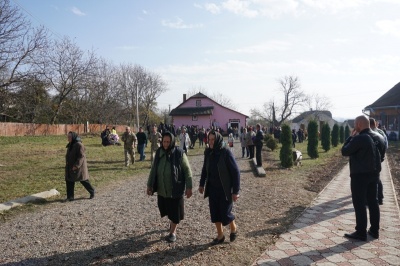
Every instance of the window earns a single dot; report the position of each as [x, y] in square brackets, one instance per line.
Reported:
[194, 118]
[198, 103]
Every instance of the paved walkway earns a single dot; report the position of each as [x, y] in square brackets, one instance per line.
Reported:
[316, 237]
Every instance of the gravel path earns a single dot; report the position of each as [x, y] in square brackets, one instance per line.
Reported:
[122, 226]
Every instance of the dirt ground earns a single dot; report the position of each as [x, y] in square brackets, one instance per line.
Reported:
[393, 157]
[267, 207]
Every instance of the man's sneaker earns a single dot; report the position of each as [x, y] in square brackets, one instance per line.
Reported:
[171, 238]
[373, 234]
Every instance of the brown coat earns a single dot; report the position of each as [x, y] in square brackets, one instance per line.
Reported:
[76, 157]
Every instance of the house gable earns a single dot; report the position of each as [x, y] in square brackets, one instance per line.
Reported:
[390, 99]
[204, 112]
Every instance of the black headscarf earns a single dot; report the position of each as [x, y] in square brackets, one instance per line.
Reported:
[75, 139]
[218, 143]
[172, 144]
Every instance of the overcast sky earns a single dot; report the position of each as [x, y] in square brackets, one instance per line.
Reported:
[346, 50]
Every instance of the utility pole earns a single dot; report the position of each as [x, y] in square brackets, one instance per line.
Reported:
[137, 107]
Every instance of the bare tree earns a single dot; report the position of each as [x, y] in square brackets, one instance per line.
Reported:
[67, 69]
[223, 100]
[293, 97]
[216, 97]
[19, 45]
[318, 102]
[139, 89]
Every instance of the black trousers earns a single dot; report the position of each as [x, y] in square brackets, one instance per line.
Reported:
[71, 188]
[258, 155]
[251, 150]
[380, 190]
[364, 192]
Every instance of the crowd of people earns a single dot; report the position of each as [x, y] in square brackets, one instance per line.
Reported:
[171, 177]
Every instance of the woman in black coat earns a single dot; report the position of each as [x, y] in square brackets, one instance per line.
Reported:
[76, 166]
[220, 182]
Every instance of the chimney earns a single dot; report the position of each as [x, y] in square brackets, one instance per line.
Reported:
[184, 97]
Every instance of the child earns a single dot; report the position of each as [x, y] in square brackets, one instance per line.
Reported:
[230, 141]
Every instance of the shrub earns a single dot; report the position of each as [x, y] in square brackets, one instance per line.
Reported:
[267, 137]
[326, 137]
[272, 143]
[312, 145]
[346, 132]
[335, 135]
[285, 155]
[341, 134]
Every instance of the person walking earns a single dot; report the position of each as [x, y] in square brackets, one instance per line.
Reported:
[245, 149]
[155, 140]
[220, 182]
[171, 177]
[141, 143]
[76, 166]
[382, 148]
[258, 142]
[129, 139]
[184, 140]
[249, 141]
[231, 140]
[365, 165]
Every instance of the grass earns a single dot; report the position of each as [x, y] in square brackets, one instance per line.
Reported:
[32, 164]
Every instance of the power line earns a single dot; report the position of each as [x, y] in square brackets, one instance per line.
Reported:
[37, 19]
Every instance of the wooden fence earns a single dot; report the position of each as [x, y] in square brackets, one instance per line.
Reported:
[26, 129]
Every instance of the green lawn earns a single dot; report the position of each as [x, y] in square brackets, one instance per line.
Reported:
[31, 165]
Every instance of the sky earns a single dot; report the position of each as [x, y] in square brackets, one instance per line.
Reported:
[345, 50]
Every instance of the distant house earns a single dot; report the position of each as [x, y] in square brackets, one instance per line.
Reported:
[201, 111]
[386, 110]
[322, 117]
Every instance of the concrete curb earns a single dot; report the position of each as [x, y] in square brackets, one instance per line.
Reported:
[260, 170]
[35, 197]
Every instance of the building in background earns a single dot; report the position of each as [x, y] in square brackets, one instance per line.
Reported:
[201, 111]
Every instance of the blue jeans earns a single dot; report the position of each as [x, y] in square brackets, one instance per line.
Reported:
[140, 149]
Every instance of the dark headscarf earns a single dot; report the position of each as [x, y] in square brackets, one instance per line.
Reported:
[172, 144]
[219, 140]
[75, 139]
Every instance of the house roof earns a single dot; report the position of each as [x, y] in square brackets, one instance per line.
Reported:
[207, 110]
[306, 114]
[194, 110]
[199, 95]
[390, 99]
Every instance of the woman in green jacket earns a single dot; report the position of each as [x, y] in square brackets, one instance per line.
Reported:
[171, 177]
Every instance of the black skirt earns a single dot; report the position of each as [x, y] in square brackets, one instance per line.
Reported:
[220, 207]
[173, 208]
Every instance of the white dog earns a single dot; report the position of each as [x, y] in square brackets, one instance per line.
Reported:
[297, 156]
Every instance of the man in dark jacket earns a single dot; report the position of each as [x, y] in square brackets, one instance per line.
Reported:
[259, 144]
[382, 146]
[141, 143]
[364, 172]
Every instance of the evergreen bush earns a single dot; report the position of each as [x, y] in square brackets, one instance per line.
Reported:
[335, 135]
[285, 154]
[312, 145]
[267, 137]
[326, 137]
[341, 134]
[346, 132]
[272, 143]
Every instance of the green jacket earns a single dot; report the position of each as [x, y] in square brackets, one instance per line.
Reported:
[170, 174]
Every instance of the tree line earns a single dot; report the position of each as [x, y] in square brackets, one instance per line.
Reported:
[45, 80]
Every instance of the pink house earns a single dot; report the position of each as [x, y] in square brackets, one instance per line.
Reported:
[201, 111]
